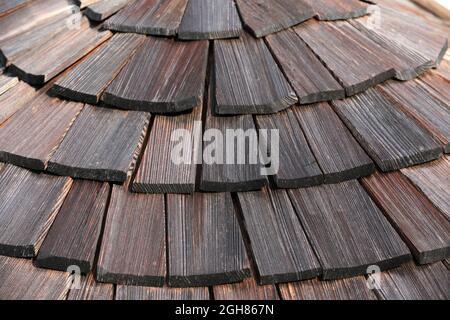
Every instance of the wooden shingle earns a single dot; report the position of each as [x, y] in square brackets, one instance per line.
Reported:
[73, 237]
[103, 145]
[210, 19]
[91, 290]
[247, 78]
[133, 250]
[7, 83]
[28, 206]
[339, 9]
[390, 137]
[245, 290]
[278, 243]
[15, 99]
[347, 230]
[103, 9]
[425, 230]
[163, 76]
[165, 293]
[204, 240]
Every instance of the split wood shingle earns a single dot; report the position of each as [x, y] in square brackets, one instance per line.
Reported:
[91, 290]
[15, 99]
[163, 76]
[28, 206]
[165, 293]
[347, 230]
[204, 241]
[103, 9]
[279, 245]
[245, 290]
[133, 249]
[7, 83]
[103, 144]
[389, 136]
[73, 236]
[339, 9]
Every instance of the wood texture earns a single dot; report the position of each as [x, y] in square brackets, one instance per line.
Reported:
[429, 112]
[92, 290]
[248, 79]
[391, 138]
[103, 9]
[210, 19]
[297, 164]
[268, 16]
[407, 62]
[73, 237]
[434, 7]
[163, 76]
[205, 243]
[220, 176]
[344, 289]
[339, 9]
[32, 134]
[133, 250]
[411, 282]
[6, 7]
[155, 17]
[338, 154]
[28, 206]
[87, 81]
[20, 280]
[433, 179]
[347, 230]
[147, 293]
[34, 15]
[246, 290]
[310, 79]
[355, 60]
[62, 51]
[103, 145]
[85, 3]
[421, 225]
[7, 83]
[159, 171]
[15, 99]
[279, 245]
[436, 85]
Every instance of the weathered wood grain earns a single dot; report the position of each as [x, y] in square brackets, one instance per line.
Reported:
[339, 9]
[344, 289]
[218, 175]
[390, 137]
[447, 263]
[73, 237]
[436, 85]
[85, 3]
[310, 79]
[338, 154]
[418, 103]
[163, 76]
[347, 230]
[424, 229]
[87, 81]
[248, 80]
[169, 164]
[92, 290]
[32, 134]
[246, 290]
[154, 17]
[297, 164]
[165, 293]
[407, 62]
[48, 60]
[102, 144]
[21, 44]
[28, 206]
[411, 282]
[268, 16]
[7, 83]
[20, 280]
[210, 19]
[204, 240]
[413, 32]
[133, 250]
[279, 245]
[103, 9]
[355, 60]
[433, 179]
[36, 13]
[6, 7]
[15, 99]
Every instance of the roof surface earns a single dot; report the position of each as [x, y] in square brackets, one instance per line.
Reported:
[89, 102]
